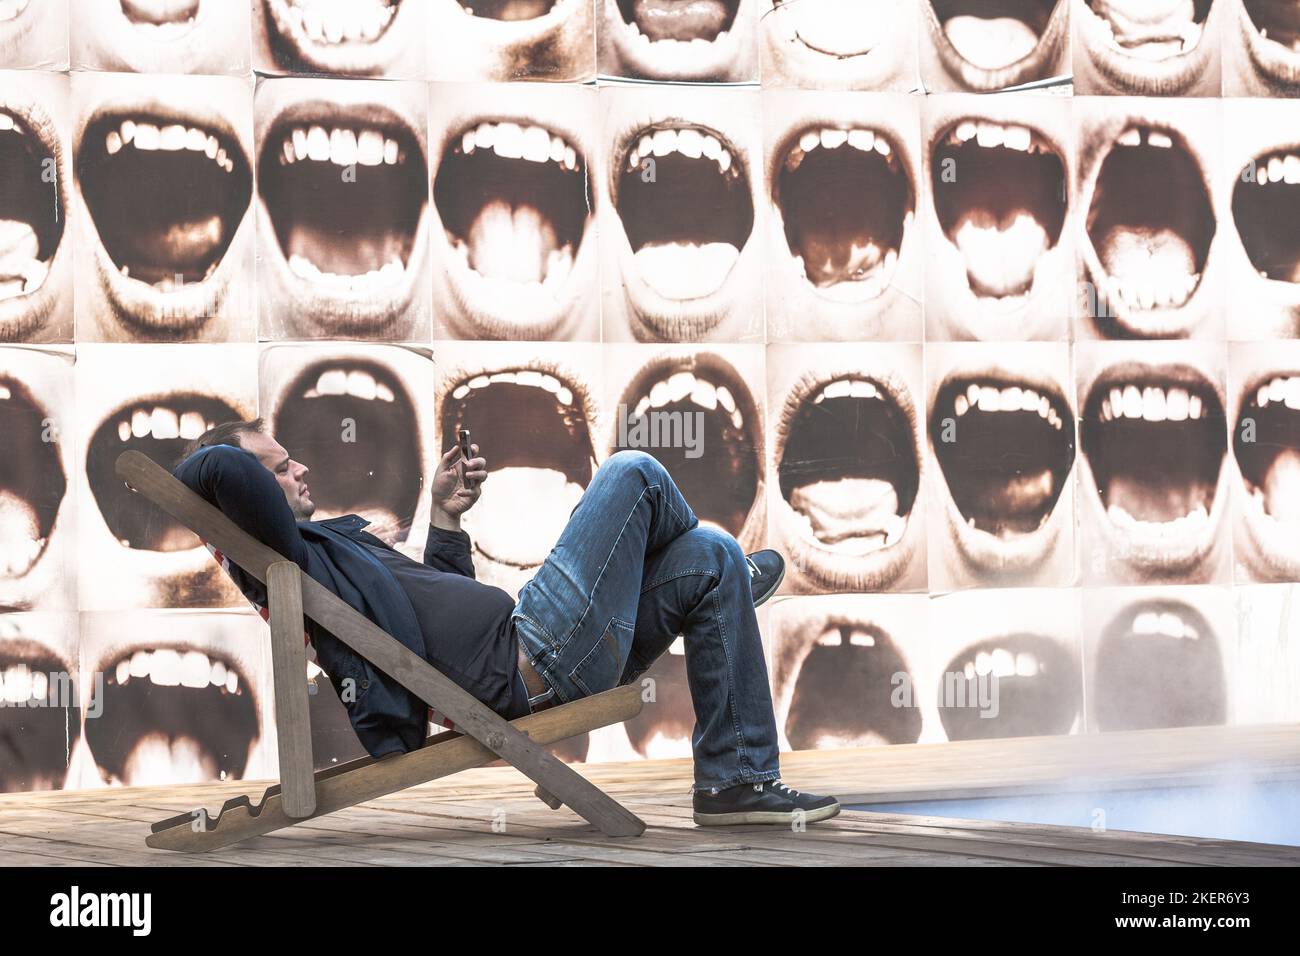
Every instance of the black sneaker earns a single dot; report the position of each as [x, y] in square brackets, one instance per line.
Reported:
[766, 569]
[771, 802]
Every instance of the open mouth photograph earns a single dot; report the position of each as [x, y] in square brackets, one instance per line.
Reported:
[846, 459]
[40, 722]
[161, 36]
[379, 38]
[35, 261]
[1154, 438]
[376, 469]
[532, 409]
[679, 228]
[1002, 432]
[1147, 47]
[980, 46]
[695, 40]
[836, 661]
[1266, 209]
[164, 185]
[341, 213]
[514, 244]
[843, 196]
[174, 709]
[839, 44]
[1149, 231]
[1261, 48]
[506, 40]
[1141, 639]
[33, 485]
[703, 423]
[1000, 266]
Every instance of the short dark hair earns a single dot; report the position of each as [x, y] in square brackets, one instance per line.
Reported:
[227, 433]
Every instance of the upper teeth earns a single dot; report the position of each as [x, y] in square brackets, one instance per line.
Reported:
[515, 141]
[690, 142]
[1151, 403]
[170, 137]
[1285, 391]
[1167, 623]
[848, 388]
[161, 422]
[166, 667]
[865, 140]
[1013, 398]
[526, 376]
[1278, 169]
[990, 135]
[700, 391]
[357, 383]
[341, 146]
[1002, 663]
[337, 21]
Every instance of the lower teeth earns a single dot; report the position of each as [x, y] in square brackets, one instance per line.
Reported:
[305, 269]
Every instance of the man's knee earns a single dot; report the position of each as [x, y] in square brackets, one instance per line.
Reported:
[633, 461]
[716, 547]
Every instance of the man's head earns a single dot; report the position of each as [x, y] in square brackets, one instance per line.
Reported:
[253, 437]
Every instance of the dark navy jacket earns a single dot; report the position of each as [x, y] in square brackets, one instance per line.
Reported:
[387, 718]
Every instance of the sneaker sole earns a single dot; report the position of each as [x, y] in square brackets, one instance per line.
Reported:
[772, 590]
[743, 817]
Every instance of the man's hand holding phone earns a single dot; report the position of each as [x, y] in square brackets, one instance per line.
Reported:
[457, 485]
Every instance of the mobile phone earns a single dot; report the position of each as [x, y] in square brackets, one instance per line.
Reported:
[463, 437]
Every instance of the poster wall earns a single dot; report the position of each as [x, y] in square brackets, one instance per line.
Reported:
[988, 320]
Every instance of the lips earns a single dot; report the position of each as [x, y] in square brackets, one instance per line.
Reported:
[515, 203]
[1269, 460]
[1150, 224]
[31, 208]
[722, 483]
[1037, 689]
[683, 197]
[166, 194]
[1154, 437]
[1148, 48]
[999, 192]
[161, 428]
[345, 191]
[537, 477]
[36, 734]
[849, 471]
[32, 483]
[172, 713]
[1138, 653]
[1012, 453]
[842, 691]
[1265, 206]
[678, 39]
[1272, 34]
[847, 203]
[164, 19]
[330, 37]
[377, 474]
[508, 10]
[993, 44]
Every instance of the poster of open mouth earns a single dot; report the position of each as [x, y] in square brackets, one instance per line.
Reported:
[985, 314]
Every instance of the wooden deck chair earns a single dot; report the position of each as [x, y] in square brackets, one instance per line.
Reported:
[484, 736]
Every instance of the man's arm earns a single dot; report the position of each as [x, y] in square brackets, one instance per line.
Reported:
[456, 486]
[246, 493]
[448, 550]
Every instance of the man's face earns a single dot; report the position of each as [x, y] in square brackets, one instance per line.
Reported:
[289, 473]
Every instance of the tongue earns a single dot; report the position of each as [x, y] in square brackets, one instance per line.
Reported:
[20, 532]
[683, 270]
[1282, 486]
[1159, 27]
[509, 526]
[1156, 501]
[511, 242]
[1016, 506]
[854, 515]
[1000, 256]
[991, 44]
[178, 248]
[159, 759]
[1158, 257]
[20, 269]
[358, 254]
[509, 10]
[680, 19]
[830, 260]
[840, 27]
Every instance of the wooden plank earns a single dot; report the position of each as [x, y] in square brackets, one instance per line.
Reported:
[289, 674]
[239, 819]
[382, 650]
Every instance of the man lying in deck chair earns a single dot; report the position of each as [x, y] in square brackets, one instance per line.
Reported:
[632, 570]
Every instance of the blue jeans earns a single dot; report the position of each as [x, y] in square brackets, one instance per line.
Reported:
[631, 571]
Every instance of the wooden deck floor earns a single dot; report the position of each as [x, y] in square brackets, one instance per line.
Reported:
[489, 816]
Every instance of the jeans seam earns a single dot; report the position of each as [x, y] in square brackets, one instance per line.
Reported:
[660, 582]
[742, 754]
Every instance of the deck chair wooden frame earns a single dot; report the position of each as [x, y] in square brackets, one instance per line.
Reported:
[302, 794]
